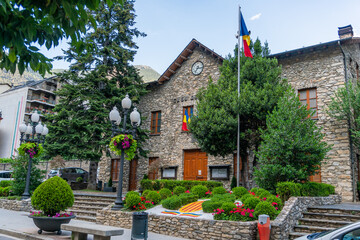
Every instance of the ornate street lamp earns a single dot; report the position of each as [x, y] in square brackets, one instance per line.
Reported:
[33, 132]
[115, 119]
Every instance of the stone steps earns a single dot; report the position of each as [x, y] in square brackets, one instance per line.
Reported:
[322, 222]
[86, 205]
[332, 216]
[319, 219]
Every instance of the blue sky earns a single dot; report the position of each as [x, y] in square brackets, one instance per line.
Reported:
[284, 24]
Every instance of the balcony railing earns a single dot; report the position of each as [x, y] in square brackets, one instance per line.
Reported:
[40, 99]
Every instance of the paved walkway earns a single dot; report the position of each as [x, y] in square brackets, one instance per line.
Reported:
[17, 225]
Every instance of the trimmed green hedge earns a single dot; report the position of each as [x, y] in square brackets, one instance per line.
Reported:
[172, 203]
[310, 189]
[147, 184]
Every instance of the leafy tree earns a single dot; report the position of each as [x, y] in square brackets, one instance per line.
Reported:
[346, 106]
[20, 166]
[292, 148]
[29, 22]
[215, 122]
[99, 78]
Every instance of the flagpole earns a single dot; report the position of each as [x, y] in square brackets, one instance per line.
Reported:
[238, 89]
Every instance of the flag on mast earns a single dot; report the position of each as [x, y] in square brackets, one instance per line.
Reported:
[245, 36]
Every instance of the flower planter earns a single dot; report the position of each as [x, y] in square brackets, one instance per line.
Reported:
[78, 186]
[50, 224]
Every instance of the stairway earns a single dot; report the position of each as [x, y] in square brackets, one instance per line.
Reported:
[325, 218]
[86, 205]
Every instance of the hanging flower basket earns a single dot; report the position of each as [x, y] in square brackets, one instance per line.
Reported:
[126, 143]
[32, 149]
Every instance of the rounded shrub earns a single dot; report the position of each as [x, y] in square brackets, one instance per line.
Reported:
[199, 190]
[265, 194]
[188, 198]
[154, 197]
[6, 183]
[165, 193]
[172, 203]
[52, 196]
[251, 203]
[245, 197]
[272, 199]
[145, 193]
[219, 190]
[224, 198]
[132, 201]
[239, 192]
[6, 191]
[265, 208]
[227, 207]
[260, 191]
[254, 190]
[130, 193]
[179, 190]
[210, 206]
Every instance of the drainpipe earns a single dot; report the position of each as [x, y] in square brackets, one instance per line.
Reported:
[349, 129]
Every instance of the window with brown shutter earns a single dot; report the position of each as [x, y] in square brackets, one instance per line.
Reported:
[316, 177]
[153, 168]
[308, 98]
[155, 125]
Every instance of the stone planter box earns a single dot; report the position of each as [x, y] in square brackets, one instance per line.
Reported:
[78, 186]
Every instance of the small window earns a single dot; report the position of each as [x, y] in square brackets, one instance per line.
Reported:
[308, 98]
[187, 115]
[155, 125]
[220, 172]
[316, 177]
[169, 172]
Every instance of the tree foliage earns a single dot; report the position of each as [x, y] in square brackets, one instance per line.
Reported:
[345, 106]
[215, 122]
[292, 148]
[24, 24]
[98, 79]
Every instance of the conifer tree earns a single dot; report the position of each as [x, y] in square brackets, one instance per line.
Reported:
[215, 122]
[99, 77]
[292, 148]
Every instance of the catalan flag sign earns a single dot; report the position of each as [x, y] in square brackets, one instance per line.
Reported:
[245, 36]
[187, 119]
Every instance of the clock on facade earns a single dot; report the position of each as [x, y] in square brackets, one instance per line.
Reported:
[197, 68]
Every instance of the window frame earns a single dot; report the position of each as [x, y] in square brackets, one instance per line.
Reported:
[307, 90]
[115, 174]
[169, 167]
[157, 121]
[183, 114]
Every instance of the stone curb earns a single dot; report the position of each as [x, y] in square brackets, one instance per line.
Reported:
[22, 235]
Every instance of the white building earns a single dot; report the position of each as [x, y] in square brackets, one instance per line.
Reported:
[17, 104]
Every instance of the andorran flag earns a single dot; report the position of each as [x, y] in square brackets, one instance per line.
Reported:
[245, 36]
[187, 119]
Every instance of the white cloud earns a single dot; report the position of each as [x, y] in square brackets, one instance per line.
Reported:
[257, 16]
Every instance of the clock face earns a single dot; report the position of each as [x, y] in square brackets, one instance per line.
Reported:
[197, 68]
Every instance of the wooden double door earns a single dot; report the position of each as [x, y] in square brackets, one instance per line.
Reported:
[195, 165]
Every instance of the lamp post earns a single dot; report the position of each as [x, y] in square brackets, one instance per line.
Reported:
[115, 119]
[33, 132]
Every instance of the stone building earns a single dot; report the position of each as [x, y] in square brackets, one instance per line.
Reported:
[316, 72]
[173, 152]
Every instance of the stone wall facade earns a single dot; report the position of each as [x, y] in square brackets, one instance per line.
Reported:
[293, 210]
[324, 70]
[188, 228]
[46, 166]
[15, 205]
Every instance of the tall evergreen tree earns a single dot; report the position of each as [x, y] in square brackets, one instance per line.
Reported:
[99, 78]
[292, 148]
[215, 121]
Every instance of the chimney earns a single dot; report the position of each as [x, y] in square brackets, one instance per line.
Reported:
[346, 32]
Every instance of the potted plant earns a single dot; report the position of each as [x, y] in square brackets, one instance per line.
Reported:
[109, 186]
[52, 197]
